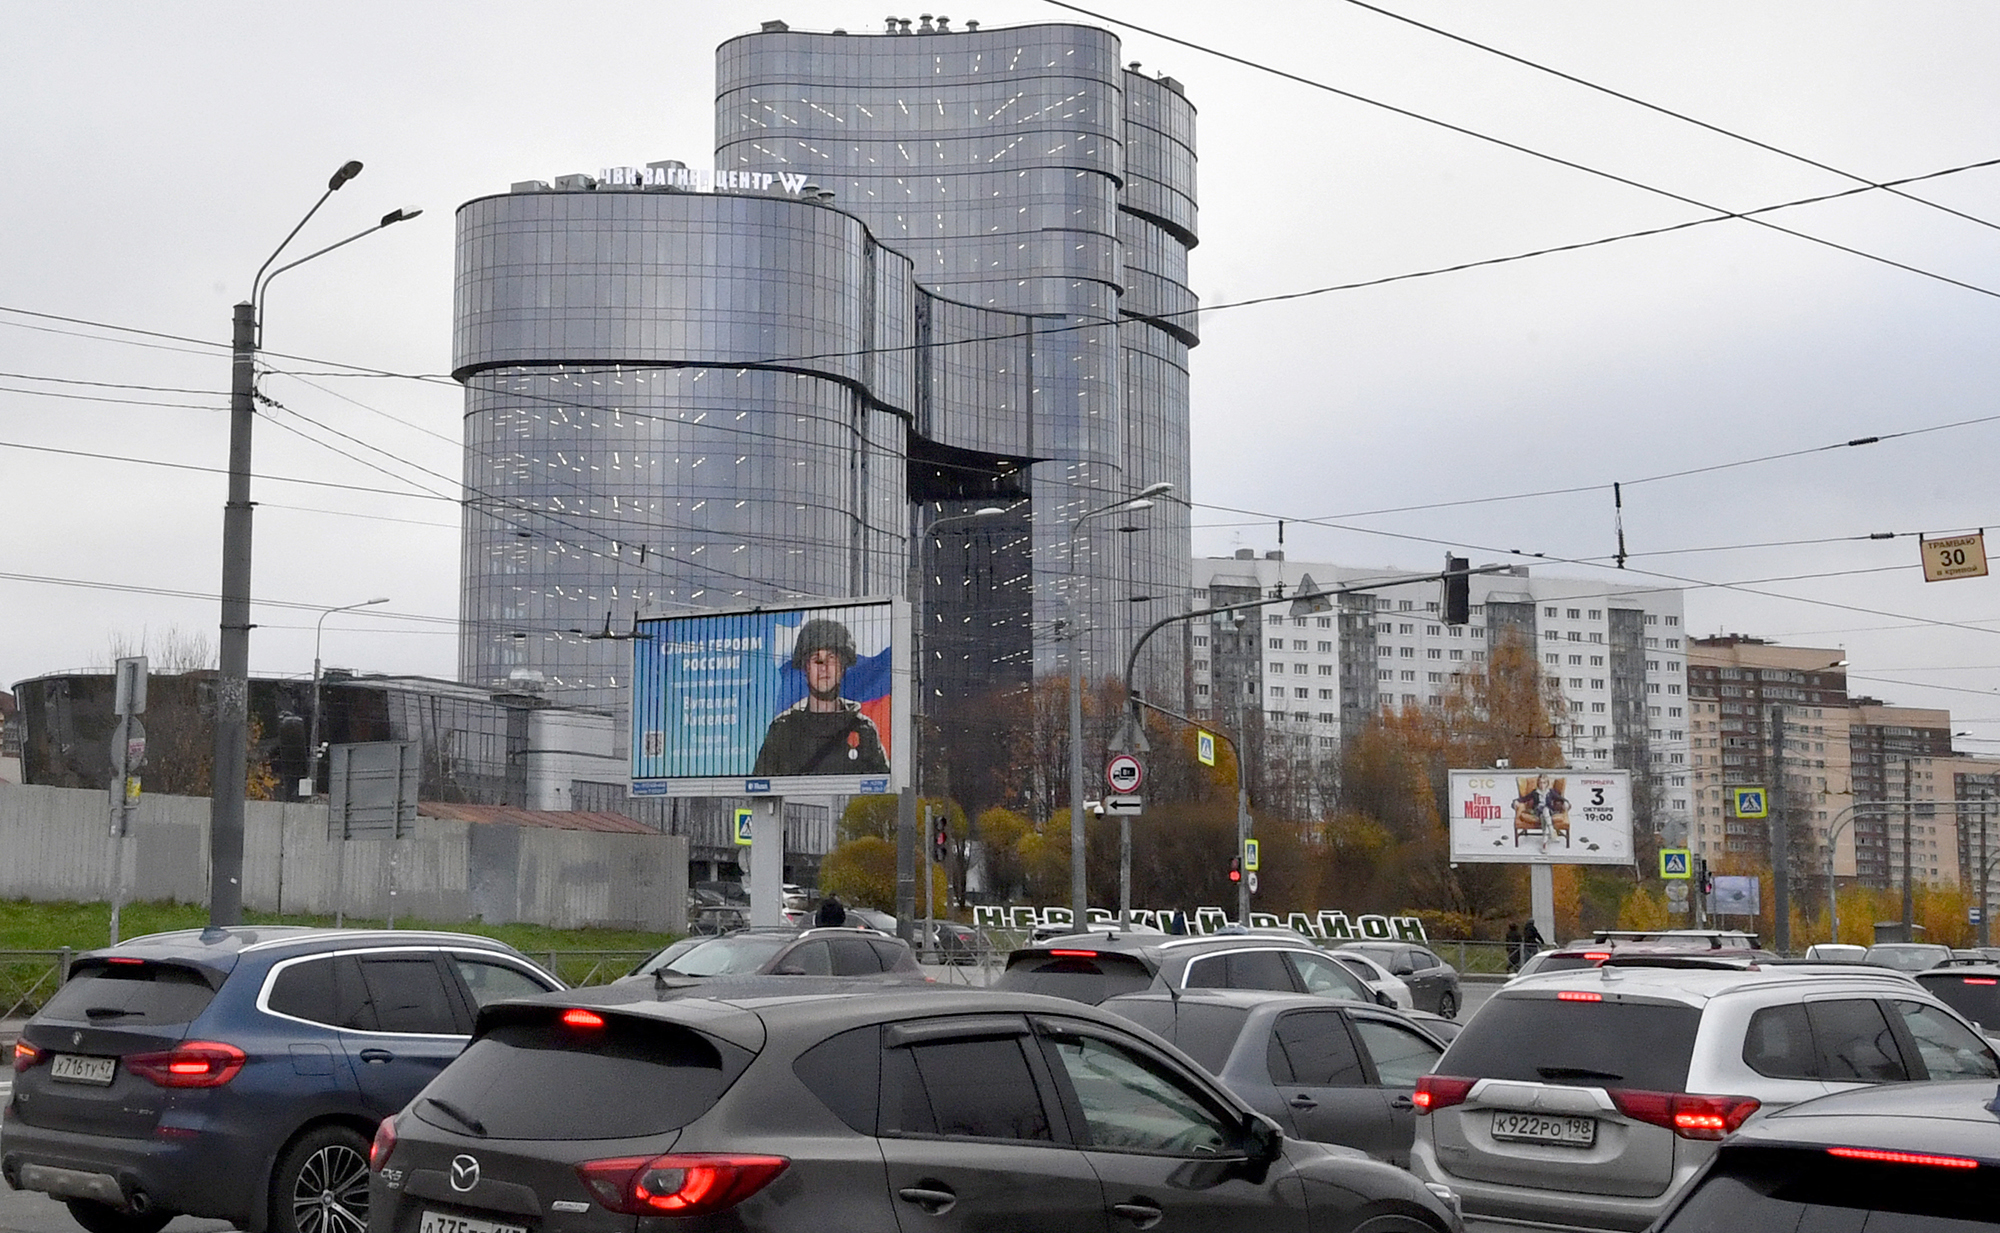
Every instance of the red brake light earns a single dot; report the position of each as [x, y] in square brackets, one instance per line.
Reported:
[1981, 980]
[385, 1142]
[1579, 995]
[579, 1018]
[1914, 1158]
[196, 1063]
[1597, 956]
[682, 1185]
[1075, 954]
[123, 959]
[1436, 1092]
[1690, 1117]
[25, 1055]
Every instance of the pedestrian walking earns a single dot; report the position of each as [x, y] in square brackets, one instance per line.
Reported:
[831, 912]
[1513, 947]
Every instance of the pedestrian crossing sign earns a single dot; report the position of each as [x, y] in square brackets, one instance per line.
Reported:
[1204, 748]
[1751, 803]
[1674, 863]
[743, 826]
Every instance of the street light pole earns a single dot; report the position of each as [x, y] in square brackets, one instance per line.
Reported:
[229, 776]
[1079, 894]
[312, 740]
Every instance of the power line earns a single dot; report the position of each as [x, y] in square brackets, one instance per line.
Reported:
[1750, 216]
[1669, 112]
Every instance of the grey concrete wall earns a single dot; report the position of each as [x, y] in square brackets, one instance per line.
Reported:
[55, 845]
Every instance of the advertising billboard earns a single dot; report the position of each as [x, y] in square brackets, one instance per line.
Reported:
[802, 701]
[1541, 817]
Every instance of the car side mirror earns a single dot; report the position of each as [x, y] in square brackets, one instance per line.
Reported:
[1403, 970]
[1263, 1142]
[1383, 999]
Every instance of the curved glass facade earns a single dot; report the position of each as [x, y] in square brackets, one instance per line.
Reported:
[710, 399]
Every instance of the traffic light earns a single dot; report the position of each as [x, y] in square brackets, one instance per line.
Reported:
[940, 837]
[1704, 880]
[1456, 589]
[1235, 869]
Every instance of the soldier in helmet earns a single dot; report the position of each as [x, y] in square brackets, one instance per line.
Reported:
[824, 734]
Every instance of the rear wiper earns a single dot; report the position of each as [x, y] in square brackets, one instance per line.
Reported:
[109, 1012]
[458, 1115]
[1575, 1072]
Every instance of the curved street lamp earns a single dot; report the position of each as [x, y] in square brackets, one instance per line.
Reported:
[229, 777]
[312, 741]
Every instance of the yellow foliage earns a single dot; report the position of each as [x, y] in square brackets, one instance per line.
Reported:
[1643, 909]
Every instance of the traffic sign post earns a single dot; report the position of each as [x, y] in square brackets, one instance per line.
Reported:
[1124, 806]
[1954, 556]
[1676, 863]
[743, 817]
[1250, 857]
[1204, 748]
[1751, 802]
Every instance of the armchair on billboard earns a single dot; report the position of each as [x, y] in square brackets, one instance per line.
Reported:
[1542, 817]
[808, 701]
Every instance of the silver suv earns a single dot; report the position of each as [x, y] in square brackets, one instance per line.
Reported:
[1591, 1097]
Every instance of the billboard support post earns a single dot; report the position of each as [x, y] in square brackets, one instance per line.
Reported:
[767, 863]
[1542, 900]
[906, 861]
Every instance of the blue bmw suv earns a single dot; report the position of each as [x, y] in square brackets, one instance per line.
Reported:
[239, 1074]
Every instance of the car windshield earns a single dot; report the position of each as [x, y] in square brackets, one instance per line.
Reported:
[1908, 957]
[1644, 1045]
[1975, 994]
[665, 957]
[731, 956]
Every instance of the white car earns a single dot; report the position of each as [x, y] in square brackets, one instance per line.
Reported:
[1380, 980]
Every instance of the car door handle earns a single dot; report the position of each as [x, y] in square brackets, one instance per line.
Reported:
[377, 1056]
[1402, 1102]
[1303, 1101]
[936, 1202]
[1143, 1215]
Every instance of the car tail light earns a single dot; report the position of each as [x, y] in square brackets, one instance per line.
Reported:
[1597, 956]
[1981, 980]
[197, 1063]
[577, 1017]
[25, 1055]
[1690, 1117]
[1436, 1092]
[1579, 995]
[687, 1184]
[1075, 954]
[385, 1142]
[1911, 1158]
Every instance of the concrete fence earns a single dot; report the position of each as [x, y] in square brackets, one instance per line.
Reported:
[55, 845]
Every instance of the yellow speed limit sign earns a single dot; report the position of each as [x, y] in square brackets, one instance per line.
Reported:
[1955, 556]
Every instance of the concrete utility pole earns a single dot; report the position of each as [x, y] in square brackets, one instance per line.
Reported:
[1909, 900]
[1781, 838]
[230, 770]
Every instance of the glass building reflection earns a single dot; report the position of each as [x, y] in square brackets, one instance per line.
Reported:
[966, 288]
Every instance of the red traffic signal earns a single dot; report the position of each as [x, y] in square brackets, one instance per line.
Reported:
[940, 837]
[1235, 869]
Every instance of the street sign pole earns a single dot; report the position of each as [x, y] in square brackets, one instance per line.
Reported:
[128, 753]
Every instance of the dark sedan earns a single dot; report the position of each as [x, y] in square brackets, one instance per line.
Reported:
[779, 951]
[1331, 1072]
[878, 1109]
[1433, 982]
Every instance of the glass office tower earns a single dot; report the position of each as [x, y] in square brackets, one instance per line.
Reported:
[943, 271]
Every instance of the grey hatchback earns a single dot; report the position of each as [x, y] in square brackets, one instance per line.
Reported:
[237, 1073]
[1089, 967]
[808, 1104]
[1332, 1072]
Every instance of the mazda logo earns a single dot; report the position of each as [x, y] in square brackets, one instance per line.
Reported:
[464, 1172]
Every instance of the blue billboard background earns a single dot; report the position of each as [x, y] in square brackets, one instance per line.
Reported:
[705, 688]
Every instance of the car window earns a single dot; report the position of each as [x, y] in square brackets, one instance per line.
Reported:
[731, 956]
[1976, 997]
[130, 993]
[1324, 976]
[1779, 1043]
[1081, 976]
[981, 1089]
[1950, 1050]
[810, 958]
[1239, 969]
[892, 954]
[1424, 959]
[1312, 1047]
[845, 1072]
[1854, 1042]
[1129, 1103]
[407, 993]
[1542, 1039]
[305, 990]
[1813, 1192]
[1399, 1054]
[489, 981]
[854, 957]
[624, 1079]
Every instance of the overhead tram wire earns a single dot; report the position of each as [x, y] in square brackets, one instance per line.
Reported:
[1669, 112]
[1719, 212]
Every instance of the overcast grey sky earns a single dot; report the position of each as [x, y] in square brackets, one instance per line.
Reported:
[155, 154]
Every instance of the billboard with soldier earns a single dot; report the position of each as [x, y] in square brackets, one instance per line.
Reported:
[790, 701]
